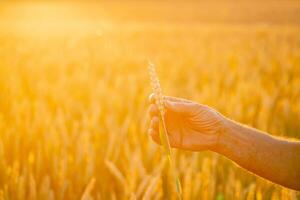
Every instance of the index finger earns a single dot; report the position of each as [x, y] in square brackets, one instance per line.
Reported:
[177, 99]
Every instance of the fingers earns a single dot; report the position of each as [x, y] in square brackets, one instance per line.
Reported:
[154, 123]
[152, 98]
[153, 110]
[154, 129]
[181, 107]
[176, 99]
[175, 104]
[154, 114]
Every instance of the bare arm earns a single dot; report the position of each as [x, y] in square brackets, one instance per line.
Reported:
[196, 127]
[275, 159]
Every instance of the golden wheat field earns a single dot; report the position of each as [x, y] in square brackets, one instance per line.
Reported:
[74, 92]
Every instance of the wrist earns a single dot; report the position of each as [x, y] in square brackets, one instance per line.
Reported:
[232, 138]
[226, 137]
[221, 134]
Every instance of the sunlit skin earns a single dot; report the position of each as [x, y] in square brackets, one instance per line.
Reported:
[196, 127]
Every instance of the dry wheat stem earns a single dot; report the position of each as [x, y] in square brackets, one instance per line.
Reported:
[159, 100]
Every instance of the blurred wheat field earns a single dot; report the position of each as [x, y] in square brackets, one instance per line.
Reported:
[74, 88]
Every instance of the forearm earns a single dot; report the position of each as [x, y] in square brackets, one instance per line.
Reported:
[275, 159]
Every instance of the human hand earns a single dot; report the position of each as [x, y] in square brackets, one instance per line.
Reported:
[190, 126]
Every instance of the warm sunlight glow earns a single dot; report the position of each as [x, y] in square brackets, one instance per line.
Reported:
[74, 90]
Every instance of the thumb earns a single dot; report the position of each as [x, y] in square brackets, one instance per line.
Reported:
[180, 107]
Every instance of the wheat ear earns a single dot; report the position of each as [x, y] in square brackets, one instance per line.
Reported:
[159, 100]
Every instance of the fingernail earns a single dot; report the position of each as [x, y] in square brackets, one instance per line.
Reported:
[151, 97]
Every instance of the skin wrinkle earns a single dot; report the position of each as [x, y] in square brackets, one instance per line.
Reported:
[196, 127]
[296, 152]
[205, 126]
[257, 154]
[241, 141]
[181, 136]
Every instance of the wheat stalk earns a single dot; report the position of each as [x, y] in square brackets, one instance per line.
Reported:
[159, 101]
[86, 194]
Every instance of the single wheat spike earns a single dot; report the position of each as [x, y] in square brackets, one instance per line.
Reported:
[159, 100]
